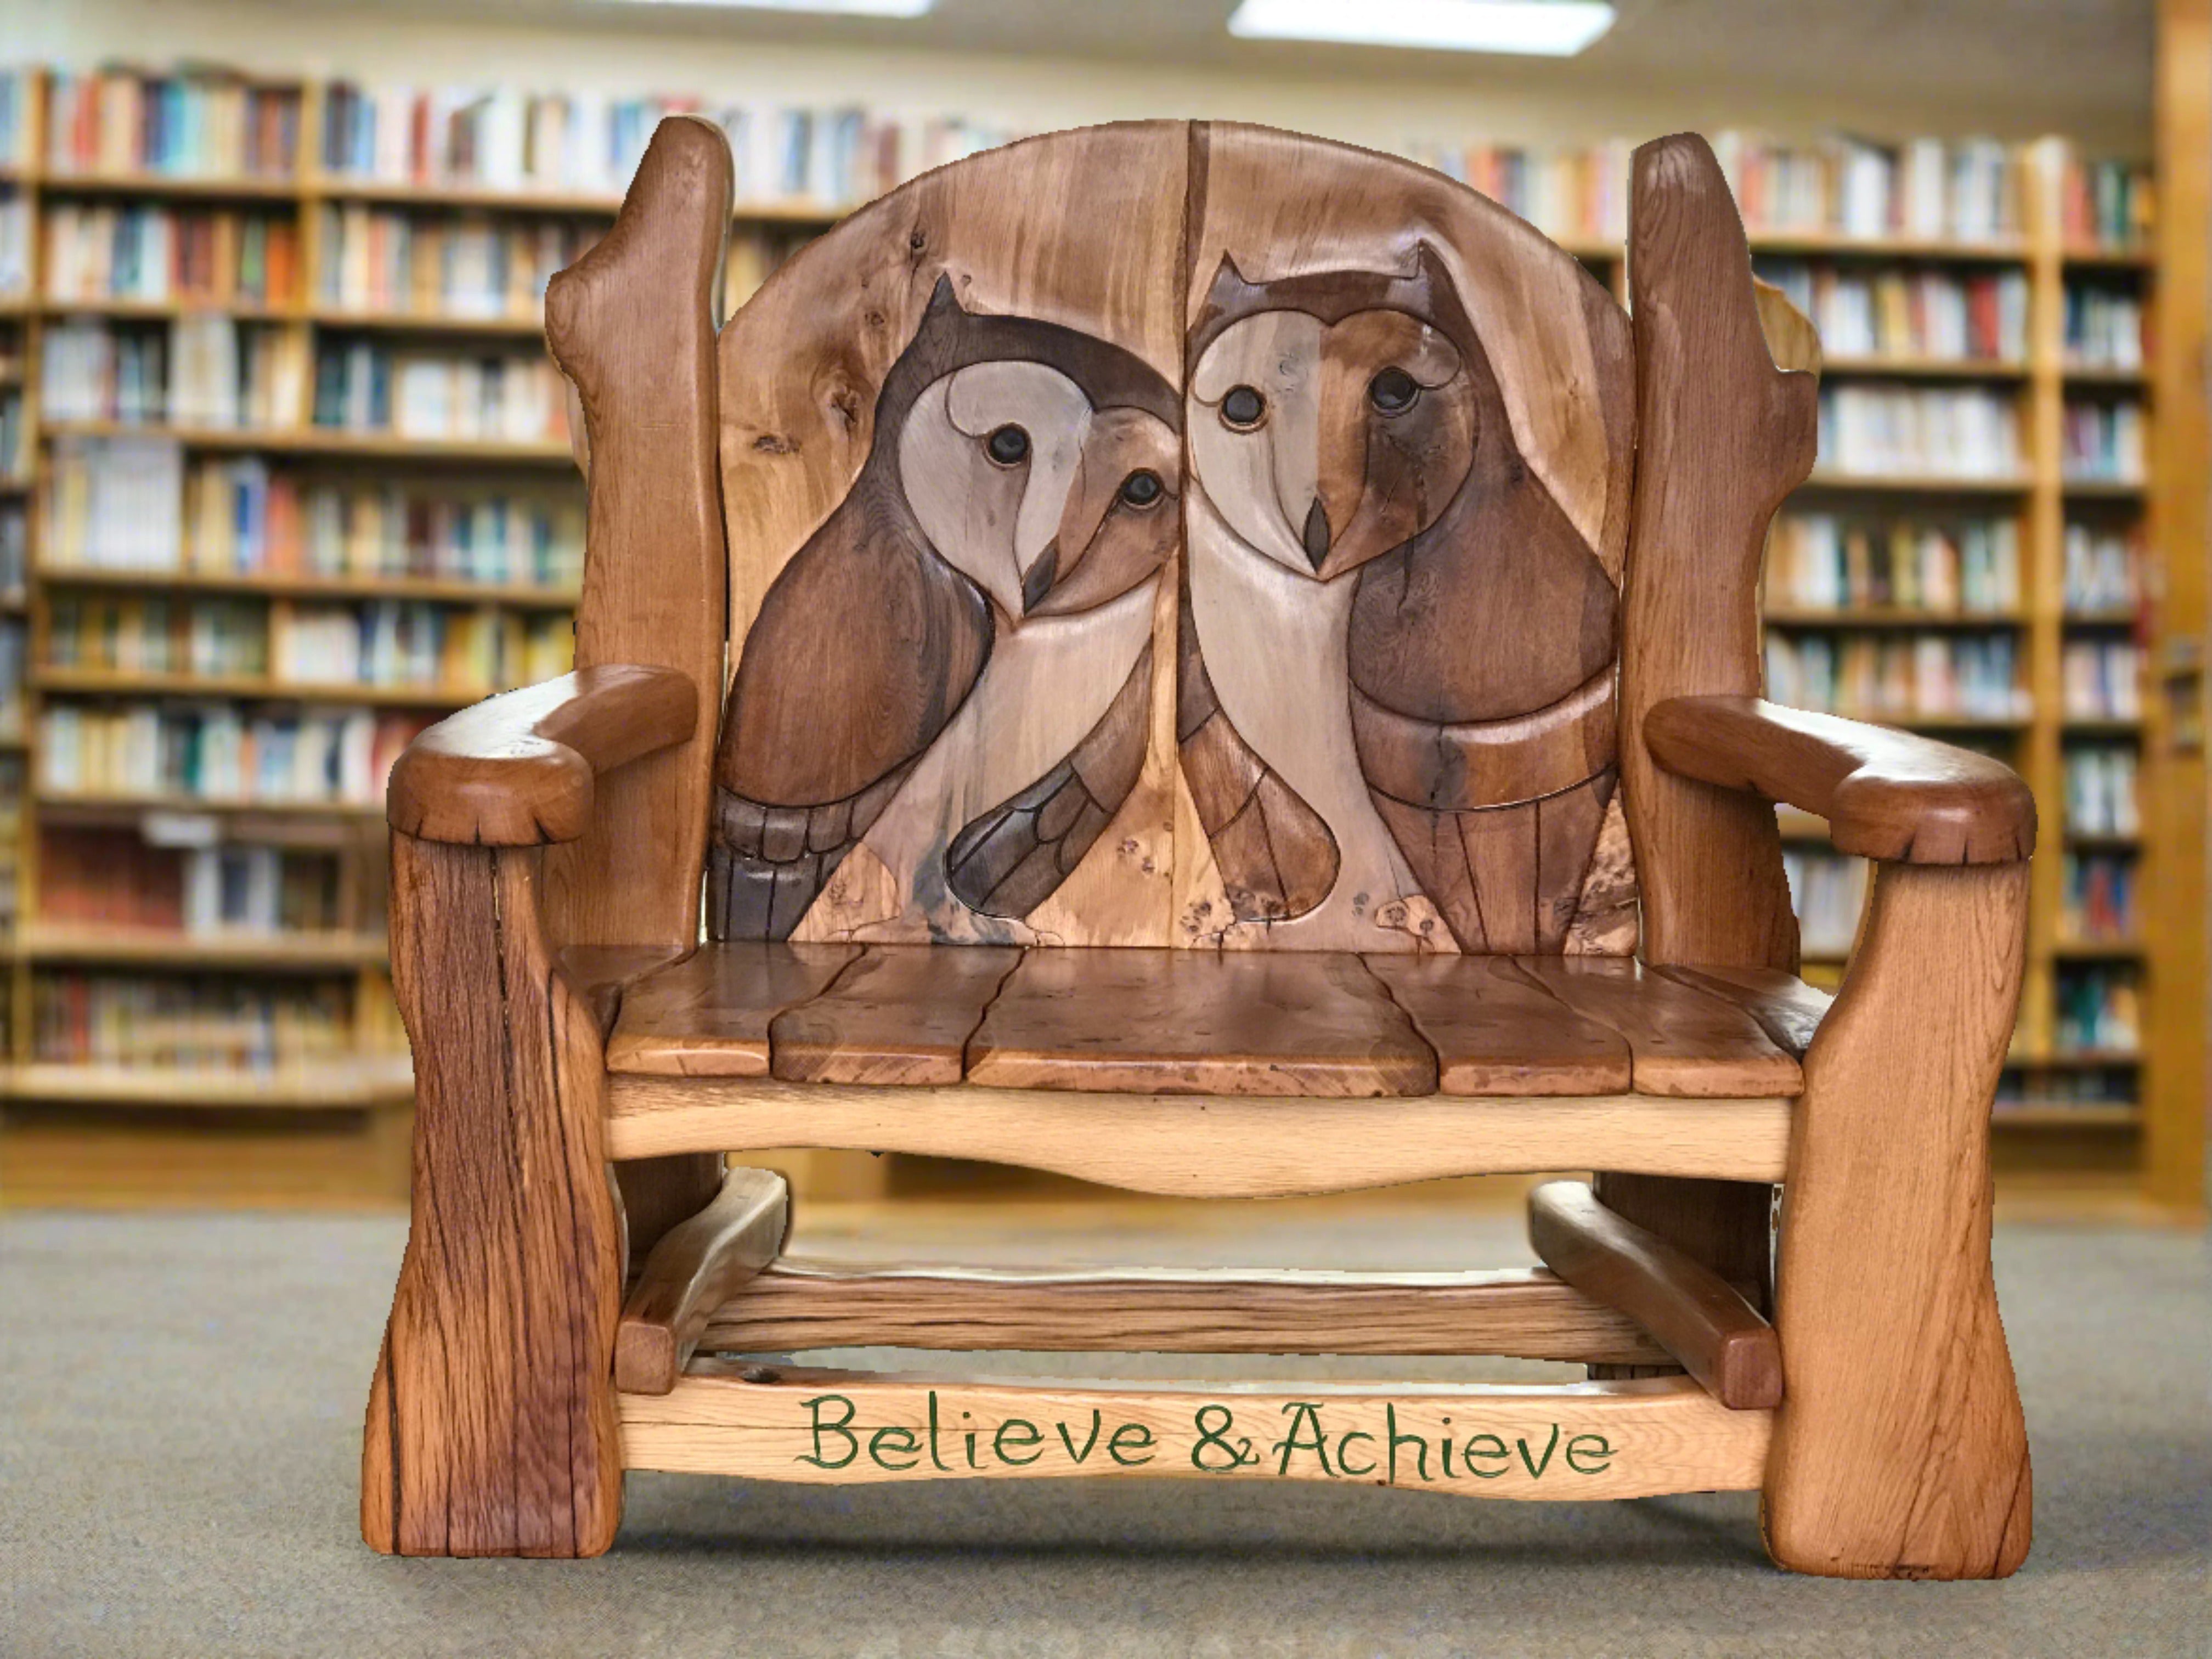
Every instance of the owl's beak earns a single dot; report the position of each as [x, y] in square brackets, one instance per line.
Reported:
[1316, 534]
[1037, 581]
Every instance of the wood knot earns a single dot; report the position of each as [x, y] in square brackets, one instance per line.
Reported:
[772, 443]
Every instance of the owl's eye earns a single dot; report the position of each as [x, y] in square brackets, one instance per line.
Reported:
[1393, 392]
[1243, 408]
[1009, 445]
[1142, 490]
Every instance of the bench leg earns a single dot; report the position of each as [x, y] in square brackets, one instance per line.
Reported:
[1900, 1448]
[491, 1424]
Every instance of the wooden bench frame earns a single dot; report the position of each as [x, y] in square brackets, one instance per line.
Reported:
[547, 850]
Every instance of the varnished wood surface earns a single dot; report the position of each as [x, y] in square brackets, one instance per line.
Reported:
[1886, 794]
[1724, 433]
[1693, 1313]
[1586, 1440]
[632, 324]
[800, 1304]
[522, 769]
[900, 1013]
[695, 1268]
[1787, 1009]
[1225, 1146]
[490, 1425]
[1187, 1022]
[1900, 1449]
[1496, 1034]
[710, 1014]
[1682, 1042]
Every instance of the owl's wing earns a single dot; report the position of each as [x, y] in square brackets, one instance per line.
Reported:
[1276, 856]
[1014, 857]
[863, 651]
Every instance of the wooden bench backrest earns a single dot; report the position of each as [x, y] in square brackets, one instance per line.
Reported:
[1176, 534]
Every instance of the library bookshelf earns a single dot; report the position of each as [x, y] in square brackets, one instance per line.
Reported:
[1944, 339]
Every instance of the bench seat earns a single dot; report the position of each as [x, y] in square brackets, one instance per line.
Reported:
[1318, 1024]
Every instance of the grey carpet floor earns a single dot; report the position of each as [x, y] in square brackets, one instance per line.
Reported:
[181, 1404]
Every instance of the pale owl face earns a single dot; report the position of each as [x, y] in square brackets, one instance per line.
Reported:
[1325, 444]
[1046, 504]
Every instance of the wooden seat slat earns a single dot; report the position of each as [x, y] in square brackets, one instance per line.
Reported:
[709, 1014]
[901, 1013]
[1682, 1042]
[1496, 1034]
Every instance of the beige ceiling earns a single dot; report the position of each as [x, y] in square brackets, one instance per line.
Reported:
[2080, 65]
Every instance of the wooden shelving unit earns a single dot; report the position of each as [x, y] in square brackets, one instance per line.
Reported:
[2040, 497]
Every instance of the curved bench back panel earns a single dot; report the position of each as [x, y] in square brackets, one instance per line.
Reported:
[1174, 534]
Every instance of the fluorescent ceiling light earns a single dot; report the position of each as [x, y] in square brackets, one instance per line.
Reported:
[845, 8]
[1543, 28]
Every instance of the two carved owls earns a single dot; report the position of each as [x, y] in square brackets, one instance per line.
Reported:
[1395, 654]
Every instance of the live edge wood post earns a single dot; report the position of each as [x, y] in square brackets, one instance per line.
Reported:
[1725, 419]
[632, 324]
[491, 1419]
[1900, 1450]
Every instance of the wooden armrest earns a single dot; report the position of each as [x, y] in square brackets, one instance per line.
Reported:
[518, 769]
[1886, 794]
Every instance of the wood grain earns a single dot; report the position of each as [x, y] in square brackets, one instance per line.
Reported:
[522, 769]
[491, 1427]
[1787, 1009]
[1227, 1146]
[1901, 1451]
[1886, 794]
[1180, 1022]
[1496, 1034]
[899, 1014]
[1657, 1436]
[1723, 436]
[800, 1304]
[709, 1014]
[632, 326]
[1683, 1042]
[694, 1269]
[1697, 1316]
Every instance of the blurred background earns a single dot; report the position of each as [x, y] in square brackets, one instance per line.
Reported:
[284, 473]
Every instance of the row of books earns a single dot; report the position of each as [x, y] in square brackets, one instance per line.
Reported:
[1826, 560]
[14, 548]
[155, 253]
[2103, 568]
[384, 260]
[2104, 327]
[1915, 676]
[11, 834]
[116, 878]
[1573, 195]
[2102, 680]
[218, 751]
[15, 243]
[131, 503]
[190, 123]
[14, 655]
[2099, 1009]
[416, 644]
[202, 371]
[1919, 431]
[197, 1022]
[2097, 905]
[501, 139]
[1898, 311]
[2076, 1086]
[2100, 790]
[16, 138]
[1827, 890]
[439, 396]
[2106, 203]
[15, 456]
[1926, 189]
[2105, 442]
[153, 633]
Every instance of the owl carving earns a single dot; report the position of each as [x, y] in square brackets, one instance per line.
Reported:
[1396, 678]
[954, 668]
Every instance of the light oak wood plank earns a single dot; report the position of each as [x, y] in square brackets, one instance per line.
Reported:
[1496, 1034]
[1695, 1313]
[1683, 1042]
[709, 1014]
[796, 1304]
[1587, 1440]
[695, 1268]
[1230, 1147]
[1186, 1021]
[901, 1013]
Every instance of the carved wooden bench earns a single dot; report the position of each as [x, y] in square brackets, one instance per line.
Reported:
[1242, 673]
